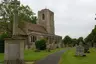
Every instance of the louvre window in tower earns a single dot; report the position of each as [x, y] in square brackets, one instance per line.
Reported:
[43, 17]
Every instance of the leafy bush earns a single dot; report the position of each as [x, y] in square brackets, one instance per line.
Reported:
[1, 46]
[41, 44]
[4, 35]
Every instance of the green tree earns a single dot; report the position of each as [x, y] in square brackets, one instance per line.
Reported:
[25, 14]
[74, 41]
[67, 40]
[91, 38]
[80, 39]
[2, 36]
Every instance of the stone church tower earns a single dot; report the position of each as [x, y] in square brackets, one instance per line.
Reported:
[46, 19]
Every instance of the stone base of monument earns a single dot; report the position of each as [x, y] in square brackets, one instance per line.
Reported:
[14, 51]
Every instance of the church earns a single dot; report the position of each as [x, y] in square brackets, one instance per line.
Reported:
[43, 29]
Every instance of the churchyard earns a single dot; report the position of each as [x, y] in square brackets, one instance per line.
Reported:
[36, 42]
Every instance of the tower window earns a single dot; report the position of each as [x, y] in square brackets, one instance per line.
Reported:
[43, 16]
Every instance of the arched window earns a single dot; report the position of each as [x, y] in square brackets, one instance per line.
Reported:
[43, 17]
[33, 38]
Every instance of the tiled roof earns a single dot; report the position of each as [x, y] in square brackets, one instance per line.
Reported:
[35, 28]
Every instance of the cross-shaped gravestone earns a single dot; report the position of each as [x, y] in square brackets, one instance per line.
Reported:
[15, 22]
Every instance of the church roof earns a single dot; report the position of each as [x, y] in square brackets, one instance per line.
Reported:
[29, 27]
[35, 28]
[21, 31]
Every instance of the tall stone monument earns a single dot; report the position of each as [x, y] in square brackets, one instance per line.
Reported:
[14, 47]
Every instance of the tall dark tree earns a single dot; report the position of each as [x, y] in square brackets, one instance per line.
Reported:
[67, 40]
[91, 38]
[80, 39]
[74, 41]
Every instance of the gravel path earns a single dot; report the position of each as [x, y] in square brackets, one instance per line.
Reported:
[51, 59]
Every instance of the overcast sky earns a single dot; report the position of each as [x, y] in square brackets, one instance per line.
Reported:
[72, 17]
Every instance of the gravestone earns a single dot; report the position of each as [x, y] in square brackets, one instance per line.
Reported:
[48, 47]
[80, 49]
[86, 48]
[94, 45]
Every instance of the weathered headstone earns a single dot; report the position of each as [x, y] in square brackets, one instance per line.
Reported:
[48, 47]
[86, 48]
[80, 50]
[94, 45]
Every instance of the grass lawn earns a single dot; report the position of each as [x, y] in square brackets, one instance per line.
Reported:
[1, 57]
[30, 55]
[69, 58]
